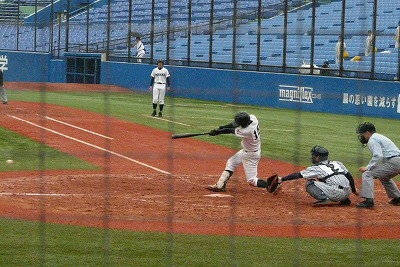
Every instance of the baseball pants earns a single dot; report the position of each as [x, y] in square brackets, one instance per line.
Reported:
[320, 191]
[250, 164]
[3, 94]
[384, 172]
[158, 93]
[139, 55]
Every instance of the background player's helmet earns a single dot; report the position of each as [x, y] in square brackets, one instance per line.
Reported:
[160, 61]
[363, 128]
[242, 119]
[319, 151]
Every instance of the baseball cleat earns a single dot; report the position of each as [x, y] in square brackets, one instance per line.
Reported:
[368, 203]
[160, 114]
[395, 201]
[154, 113]
[324, 202]
[345, 202]
[215, 188]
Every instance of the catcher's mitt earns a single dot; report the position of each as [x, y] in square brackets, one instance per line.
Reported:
[273, 184]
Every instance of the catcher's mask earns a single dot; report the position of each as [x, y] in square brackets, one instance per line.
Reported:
[363, 128]
[242, 119]
[319, 151]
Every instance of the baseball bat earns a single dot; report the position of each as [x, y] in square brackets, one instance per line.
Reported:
[186, 135]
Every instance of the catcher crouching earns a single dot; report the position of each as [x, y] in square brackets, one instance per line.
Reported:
[329, 182]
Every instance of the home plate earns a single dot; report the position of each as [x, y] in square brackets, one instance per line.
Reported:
[218, 195]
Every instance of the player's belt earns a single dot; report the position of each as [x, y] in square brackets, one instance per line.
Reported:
[160, 83]
[250, 151]
[393, 157]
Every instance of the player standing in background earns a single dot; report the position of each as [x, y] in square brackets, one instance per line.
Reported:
[327, 181]
[246, 127]
[397, 37]
[159, 77]
[140, 49]
[3, 94]
[368, 43]
[338, 49]
[384, 165]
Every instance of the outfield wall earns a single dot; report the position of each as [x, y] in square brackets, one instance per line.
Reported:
[302, 92]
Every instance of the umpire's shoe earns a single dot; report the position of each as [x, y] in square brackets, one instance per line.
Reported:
[215, 188]
[395, 201]
[367, 203]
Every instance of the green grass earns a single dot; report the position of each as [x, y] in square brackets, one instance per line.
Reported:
[287, 135]
[37, 244]
[30, 155]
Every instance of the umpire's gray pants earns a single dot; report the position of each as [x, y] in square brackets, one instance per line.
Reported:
[3, 94]
[385, 171]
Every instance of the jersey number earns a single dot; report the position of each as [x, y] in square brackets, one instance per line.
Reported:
[257, 132]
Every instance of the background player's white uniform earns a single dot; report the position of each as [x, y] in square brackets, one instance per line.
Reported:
[336, 186]
[250, 154]
[140, 50]
[160, 79]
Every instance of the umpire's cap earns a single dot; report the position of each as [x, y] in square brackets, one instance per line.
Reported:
[365, 127]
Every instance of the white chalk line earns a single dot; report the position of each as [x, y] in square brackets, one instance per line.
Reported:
[41, 194]
[79, 128]
[91, 145]
[162, 119]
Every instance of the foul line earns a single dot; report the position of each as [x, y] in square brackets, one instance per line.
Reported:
[94, 146]
[39, 194]
[162, 119]
[79, 128]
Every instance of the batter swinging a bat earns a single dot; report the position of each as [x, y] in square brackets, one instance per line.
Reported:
[244, 126]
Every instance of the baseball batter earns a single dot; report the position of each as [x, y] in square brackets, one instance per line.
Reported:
[140, 49]
[246, 127]
[159, 78]
[3, 94]
[327, 181]
[384, 165]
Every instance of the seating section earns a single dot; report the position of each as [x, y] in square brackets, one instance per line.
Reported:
[8, 12]
[357, 21]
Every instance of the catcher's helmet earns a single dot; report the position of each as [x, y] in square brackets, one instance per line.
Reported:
[319, 151]
[242, 119]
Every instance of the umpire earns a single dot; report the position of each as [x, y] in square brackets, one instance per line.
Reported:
[384, 165]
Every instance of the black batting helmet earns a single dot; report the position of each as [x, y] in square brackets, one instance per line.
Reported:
[321, 152]
[242, 119]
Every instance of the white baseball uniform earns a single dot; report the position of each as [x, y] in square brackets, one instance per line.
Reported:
[330, 178]
[160, 79]
[250, 154]
[140, 50]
